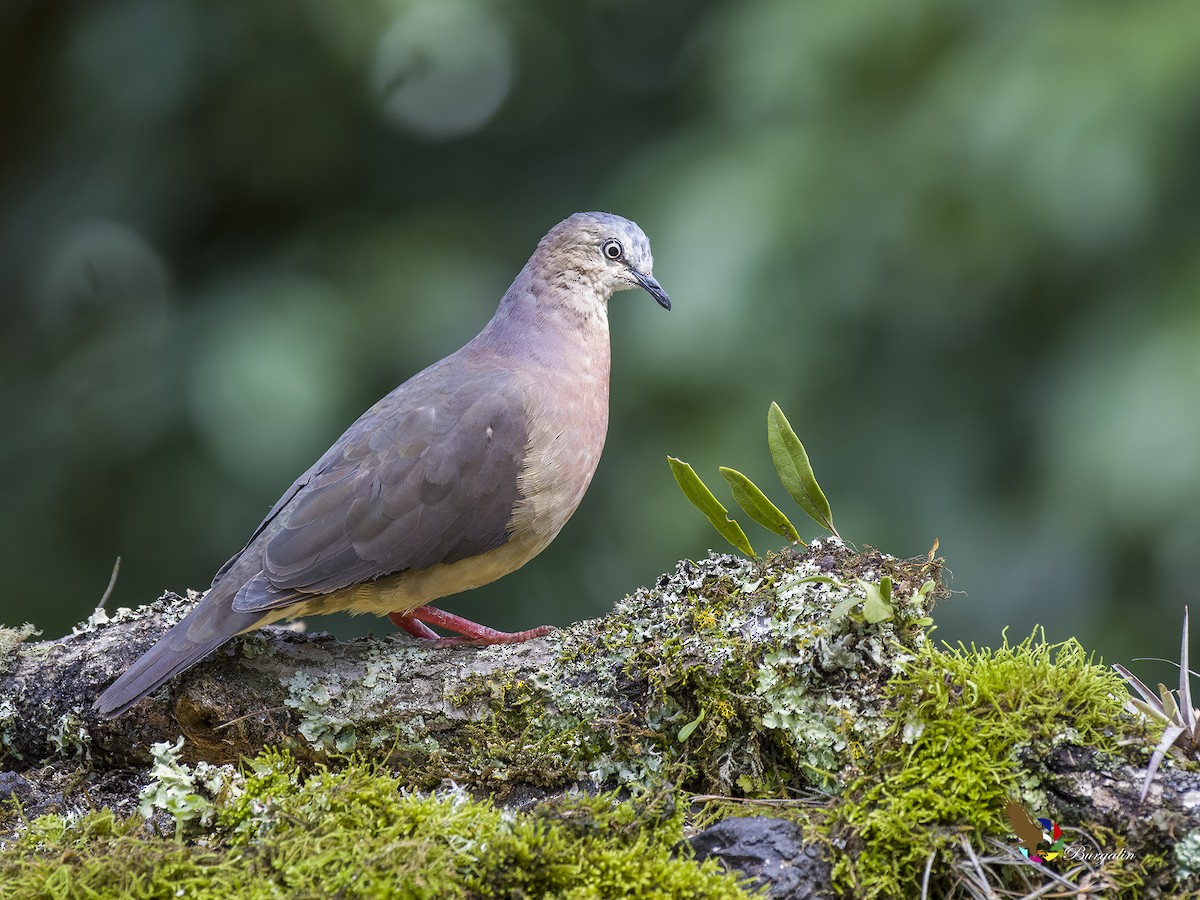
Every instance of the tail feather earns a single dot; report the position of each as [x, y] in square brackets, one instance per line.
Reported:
[202, 631]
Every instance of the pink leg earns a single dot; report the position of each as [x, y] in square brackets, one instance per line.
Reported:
[414, 627]
[472, 632]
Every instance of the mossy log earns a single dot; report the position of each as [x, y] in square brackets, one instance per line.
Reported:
[736, 681]
[642, 672]
[273, 687]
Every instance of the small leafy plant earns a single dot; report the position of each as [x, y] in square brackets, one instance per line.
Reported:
[795, 471]
[1181, 734]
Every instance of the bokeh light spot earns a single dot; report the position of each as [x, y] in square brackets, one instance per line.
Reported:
[443, 69]
[269, 379]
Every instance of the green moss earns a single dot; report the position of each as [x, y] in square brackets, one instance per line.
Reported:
[965, 723]
[358, 832]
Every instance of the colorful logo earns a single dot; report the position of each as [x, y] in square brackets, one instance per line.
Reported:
[1033, 833]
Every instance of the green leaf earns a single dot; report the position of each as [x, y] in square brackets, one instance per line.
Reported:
[877, 604]
[877, 607]
[795, 471]
[843, 607]
[686, 731]
[757, 506]
[702, 498]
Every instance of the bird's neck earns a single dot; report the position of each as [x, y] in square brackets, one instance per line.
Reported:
[560, 322]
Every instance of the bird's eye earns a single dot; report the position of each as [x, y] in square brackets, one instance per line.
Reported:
[612, 249]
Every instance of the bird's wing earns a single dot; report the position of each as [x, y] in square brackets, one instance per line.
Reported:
[426, 476]
[270, 516]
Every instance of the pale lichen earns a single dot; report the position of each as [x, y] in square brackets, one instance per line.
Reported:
[312, 699]
[10, 639]
[70, 736]
[720, 673]
[1187, 856]
[188, 794]
[8, 717]
[728, 675]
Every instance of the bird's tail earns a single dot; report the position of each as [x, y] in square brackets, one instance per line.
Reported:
[203, 630]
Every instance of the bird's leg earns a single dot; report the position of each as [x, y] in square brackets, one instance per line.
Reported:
[413, 626]
[414, 621]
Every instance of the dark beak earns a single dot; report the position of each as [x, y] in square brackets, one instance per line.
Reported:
[653, 288]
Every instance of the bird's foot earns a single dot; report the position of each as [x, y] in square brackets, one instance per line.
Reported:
[414, 622]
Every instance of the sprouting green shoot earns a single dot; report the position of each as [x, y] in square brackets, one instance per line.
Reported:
[757, 506]
[702, 498]
[795, 471]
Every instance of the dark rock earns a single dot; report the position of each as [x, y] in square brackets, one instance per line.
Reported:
[14, 786]
[772, 852]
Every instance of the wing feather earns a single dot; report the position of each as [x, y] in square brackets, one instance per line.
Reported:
[426, 476]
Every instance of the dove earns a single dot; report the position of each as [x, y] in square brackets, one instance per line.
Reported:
[462, 474]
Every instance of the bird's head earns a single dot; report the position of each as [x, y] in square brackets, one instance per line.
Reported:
[607, 251]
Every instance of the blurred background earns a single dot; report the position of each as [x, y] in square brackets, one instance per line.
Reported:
[957, 242]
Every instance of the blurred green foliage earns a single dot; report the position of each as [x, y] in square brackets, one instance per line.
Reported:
[956, 241]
